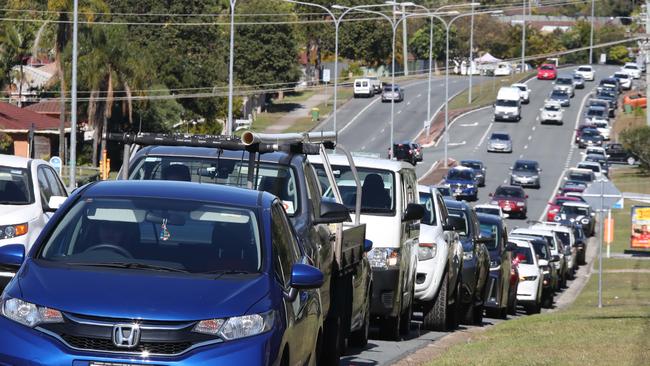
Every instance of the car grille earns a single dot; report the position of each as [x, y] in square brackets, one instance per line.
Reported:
[98, 344]
[387, 299]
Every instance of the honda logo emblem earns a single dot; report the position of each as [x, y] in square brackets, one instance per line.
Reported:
[126, 335]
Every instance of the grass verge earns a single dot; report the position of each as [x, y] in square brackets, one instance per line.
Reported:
[582, 334]
[484, 93]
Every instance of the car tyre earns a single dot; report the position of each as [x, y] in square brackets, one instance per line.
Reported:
[405, 324]
[436, 312]
[332, 347]
[390, 327]
[468, 313]
[512, 304]
[359, 338]
[534, 308]
[547, 301]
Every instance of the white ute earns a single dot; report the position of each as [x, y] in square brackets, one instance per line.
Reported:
[440, 256]
[529, 290]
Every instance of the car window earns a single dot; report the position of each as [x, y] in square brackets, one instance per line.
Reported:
[314, 192]
[277, 179]
[189, 236]
[523, 255]
[55, 183]
[43, 186]
[15, 186]
[526, 166]
[492, 232]
[500, 136]
[574, 210]
[564, 81]
[547, 67]
[458, 174]
[426, 199]
[471, 164]
[507, 103]
[509, 192]
[552, 107]
[587, 69]
[459, 220]
[285, 248]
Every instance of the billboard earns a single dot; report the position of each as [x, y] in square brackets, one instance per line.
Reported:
[640, 238]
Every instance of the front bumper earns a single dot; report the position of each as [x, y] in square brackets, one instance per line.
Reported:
[386, 292]
[527, 291]
[524, 181]
[25, 346]
[464, 192]
[429, 276]
[506, 116]
[499, 148]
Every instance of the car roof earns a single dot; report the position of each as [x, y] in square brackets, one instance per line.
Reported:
[364, 162]
[461, 167]
[164, 189]
[588, 163]
[424, 189]
[488, 205]
[518, 85]
[489, 219]
[532, 231]
[15, 161]
[580, 170]
[576, 204]
[521, 243]
[458, 205]
[524, 161]
[471, 161]
[589, 66]
[509, 186]
[553, 226]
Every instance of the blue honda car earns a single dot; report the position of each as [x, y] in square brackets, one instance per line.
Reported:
[159, 272]
[462, 181]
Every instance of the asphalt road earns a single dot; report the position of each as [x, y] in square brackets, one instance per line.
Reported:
[550, 145]
[364, 123]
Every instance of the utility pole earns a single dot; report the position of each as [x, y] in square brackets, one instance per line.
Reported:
[647, 56]
[471, 56]
[404, 40]
[591, 34]
[523, 37]
[72, 183]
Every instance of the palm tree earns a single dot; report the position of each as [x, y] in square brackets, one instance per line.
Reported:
[17, 49]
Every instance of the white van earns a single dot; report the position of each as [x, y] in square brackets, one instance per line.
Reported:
[391, 211]
[363, 88]
[503, 69]
[508, 104]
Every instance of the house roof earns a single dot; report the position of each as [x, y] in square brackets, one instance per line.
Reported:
[47, 106]
[15, 119]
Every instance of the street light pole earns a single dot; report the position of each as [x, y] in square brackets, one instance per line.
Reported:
[523, 37]
[72, 184]
[591, 34]
[471, 46]
[404, 42]
[229, 121]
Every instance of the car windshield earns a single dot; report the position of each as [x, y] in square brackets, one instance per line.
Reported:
[577, 77]
[523, 255]
[167, 235]
[389, 89]
[471, 164]
[579, 176]
[596, 159]
[601, 124]
[460, 174]
[547, 67]
[552, 107]
[459, 220]
[565, 238]
[574, 210]
[492, 232]
[595, 112]
[509, 192]
[621, 76]
[590, 133]
[276, 179]
[564, 81]
[593, 168]
[426, 199]
[444, 191]
[506, 103]
[488, 210]
[525, 166]
[377, 188]
[559, 94]
[585, 69]
[520, 87]
[560, 201]
[630, 67]
[500, 137]
[575, 184]
[15, 186]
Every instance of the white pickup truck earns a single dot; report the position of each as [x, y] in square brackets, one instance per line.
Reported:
[440, 255]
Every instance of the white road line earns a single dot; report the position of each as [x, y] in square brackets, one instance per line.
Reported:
[363, 147]
[521, 156]
[419, 95]
[457, 143]
[400, 111]
[525, 147]
[373, 138]
[433, 166]
[534, 127]
[530, 138]
[480, 142]
[408, 103]
[383, 129]
[469, 124]
[505, 181]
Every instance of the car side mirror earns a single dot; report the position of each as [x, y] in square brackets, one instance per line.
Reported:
[55, 202]
[332, 213]
[367, 245]
[511, 168]
[413, 212]
[593, 214]
[11, 257]
[555, 258]
[542, 262]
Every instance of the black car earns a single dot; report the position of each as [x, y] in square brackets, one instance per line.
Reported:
[480, 170]
[561, 97]
[590, 137]
[525, 173]
[594, 102]
[616, 153]
[611, 97]
[580, 213]
[476, 260]
[611, 83]
[408, 151]
[501, 297]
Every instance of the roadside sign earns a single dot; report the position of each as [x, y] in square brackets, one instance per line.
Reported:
[619, 205]
[602, 195]
[56, 163]
[640, 238]
[326, 75]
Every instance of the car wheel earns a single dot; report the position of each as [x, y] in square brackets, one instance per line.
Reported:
[533, 308]
[512, 304]
[547, 301]
[405, 324]
[332, 341]
[478, 314]
[453, 320]
[390, 327]
[359, 338]
[631, 161]
[468, 313]
[436, 313]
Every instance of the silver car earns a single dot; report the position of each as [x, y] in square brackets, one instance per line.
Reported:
[552, 112]
[525, 173]
[392, 92]
[565, 83]
[499, 142]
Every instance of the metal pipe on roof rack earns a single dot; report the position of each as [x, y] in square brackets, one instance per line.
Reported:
[250, 138]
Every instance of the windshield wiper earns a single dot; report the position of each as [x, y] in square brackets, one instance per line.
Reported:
[131, 265]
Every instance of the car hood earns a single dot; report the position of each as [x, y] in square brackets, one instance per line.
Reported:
[526, 270]
[139, 294]
[499, 142]
[458, 181]
[570, 218]
[511, 199]
[18, 214]
[524, 173]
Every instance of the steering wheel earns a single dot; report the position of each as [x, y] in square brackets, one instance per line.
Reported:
[112, 247]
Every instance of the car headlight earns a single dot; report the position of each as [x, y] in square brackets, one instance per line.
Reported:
[535, 176]
[470, 186]
[29, 314]
[584, 221]
[520, 204]
[238, 326]
[468, 256]
[427, 251]
[384, 257]
[12, 231]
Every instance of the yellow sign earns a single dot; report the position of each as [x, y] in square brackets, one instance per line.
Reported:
[640, 238]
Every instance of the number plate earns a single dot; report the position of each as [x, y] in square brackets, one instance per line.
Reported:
[506, 208]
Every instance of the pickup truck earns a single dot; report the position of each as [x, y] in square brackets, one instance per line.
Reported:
[277, 164]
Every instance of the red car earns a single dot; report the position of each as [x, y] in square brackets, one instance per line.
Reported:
[512, 200]
[547, 72]
[554, 206]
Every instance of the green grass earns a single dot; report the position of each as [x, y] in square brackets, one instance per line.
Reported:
[582, 334]
[325, 109]
[484, 93]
